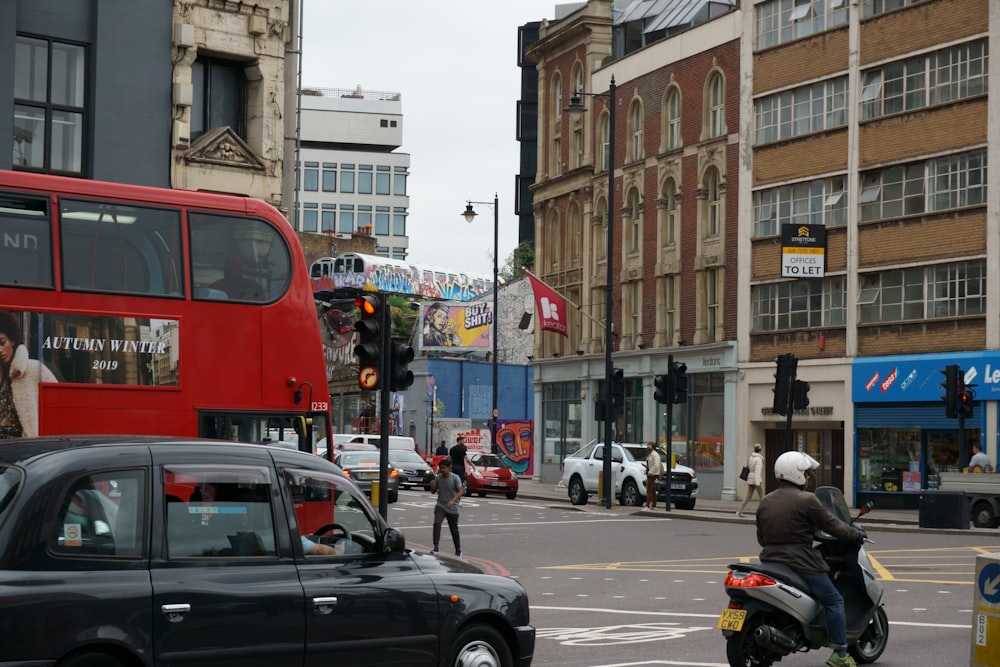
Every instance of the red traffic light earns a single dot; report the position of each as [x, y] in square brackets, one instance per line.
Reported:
[368, 305]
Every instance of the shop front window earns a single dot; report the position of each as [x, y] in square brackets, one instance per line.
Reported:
[884, 455]
[699, 424]
[561, 416]
[628, 426]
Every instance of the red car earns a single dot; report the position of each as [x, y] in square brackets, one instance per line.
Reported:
[490, 474]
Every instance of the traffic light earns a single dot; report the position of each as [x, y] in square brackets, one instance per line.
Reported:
[369, 347]
[950, 384]
[618, 388]
[787, 363]
[679, 370]
[662, 391]
[800, 395]
[400, 377]
[965, 399]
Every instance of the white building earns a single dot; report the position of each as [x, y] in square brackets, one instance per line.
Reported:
[350, 179]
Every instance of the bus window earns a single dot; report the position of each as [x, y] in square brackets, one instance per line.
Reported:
[108, 247]
[238, 259]
[25, 242]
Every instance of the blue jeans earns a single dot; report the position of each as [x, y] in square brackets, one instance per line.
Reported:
[836, 621]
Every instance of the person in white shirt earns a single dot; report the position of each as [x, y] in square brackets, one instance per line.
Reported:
[979, 459]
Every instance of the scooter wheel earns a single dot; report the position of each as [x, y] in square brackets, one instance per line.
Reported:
[743, 651]
[873, 640]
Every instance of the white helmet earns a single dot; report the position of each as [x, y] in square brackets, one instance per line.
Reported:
[791, 467]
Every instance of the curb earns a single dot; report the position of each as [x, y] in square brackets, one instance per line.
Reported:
[870, 522]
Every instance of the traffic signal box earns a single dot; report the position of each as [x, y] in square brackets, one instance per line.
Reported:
[400, 376]
[783, 378]
[800, 395]
[369, 348]
[680, 381]
[661, 393]
[952, 377]
[618, 389]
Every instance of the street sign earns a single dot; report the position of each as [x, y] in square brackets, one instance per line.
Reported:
[368, 378]
[803, 251]
[989, 583]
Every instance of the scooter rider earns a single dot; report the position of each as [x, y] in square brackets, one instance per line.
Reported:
[787, 518]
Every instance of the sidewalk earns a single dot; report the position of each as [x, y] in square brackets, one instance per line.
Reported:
[707, 509]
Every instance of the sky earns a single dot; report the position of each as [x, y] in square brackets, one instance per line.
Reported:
[455, 64]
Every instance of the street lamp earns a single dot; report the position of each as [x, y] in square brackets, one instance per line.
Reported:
[469, 214]
[575, 109]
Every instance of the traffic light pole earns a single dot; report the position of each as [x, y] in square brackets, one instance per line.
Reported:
[385, 399]
[671, 392]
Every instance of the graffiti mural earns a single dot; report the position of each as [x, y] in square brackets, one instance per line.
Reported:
[355, 270]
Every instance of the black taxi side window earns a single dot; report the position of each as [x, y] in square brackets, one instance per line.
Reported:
[328, 514]
[103, 514]
[216, 512]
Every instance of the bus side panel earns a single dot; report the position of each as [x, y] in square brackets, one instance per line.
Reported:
[74, 408]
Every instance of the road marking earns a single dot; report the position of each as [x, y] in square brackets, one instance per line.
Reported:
[617, 635]
[626, 612]
[631, 612]
[665, 662]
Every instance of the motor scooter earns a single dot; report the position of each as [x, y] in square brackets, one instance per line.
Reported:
[772, 612]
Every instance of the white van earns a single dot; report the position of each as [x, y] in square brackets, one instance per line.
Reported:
[395, 441]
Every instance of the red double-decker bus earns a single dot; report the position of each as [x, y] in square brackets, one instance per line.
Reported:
[127, 309]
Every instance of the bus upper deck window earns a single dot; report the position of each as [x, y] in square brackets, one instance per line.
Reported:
[113, 247]
[238, 259]
[25, 241]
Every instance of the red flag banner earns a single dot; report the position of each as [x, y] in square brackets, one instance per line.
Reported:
[550, 308]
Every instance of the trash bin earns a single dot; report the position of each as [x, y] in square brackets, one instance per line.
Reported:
[944, 509]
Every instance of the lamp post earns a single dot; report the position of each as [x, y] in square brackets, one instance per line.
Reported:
[576, 108]
[469, 214]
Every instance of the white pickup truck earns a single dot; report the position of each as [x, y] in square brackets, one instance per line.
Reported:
[582, 469]
[983, 490]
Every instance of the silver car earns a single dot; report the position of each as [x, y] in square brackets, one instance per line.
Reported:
[362, 466]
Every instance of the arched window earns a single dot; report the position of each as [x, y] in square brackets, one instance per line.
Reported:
[556, 145]
[604, 139]
[575, 232]
[672, 113]
[599, 231]
[713, 198]
[635, 131]
[557, 96]
[553, 240]
[635, 221]
[670, 213]
[716, 105]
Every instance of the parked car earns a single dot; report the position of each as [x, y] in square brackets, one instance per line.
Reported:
[119, 551]
[490, 474]
[582, 468]
[362, 466]
[413, 470]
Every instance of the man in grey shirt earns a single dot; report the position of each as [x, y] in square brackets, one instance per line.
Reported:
[449, 492]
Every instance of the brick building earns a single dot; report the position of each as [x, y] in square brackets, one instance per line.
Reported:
[675, 216]
[862, 120]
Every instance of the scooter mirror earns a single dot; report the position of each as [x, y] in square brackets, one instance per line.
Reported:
[867, 507]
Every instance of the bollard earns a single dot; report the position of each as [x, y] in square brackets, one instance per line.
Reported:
[375, 485]
[986, 612]
[600, 485]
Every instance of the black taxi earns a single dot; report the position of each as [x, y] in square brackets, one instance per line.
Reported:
[139, 551]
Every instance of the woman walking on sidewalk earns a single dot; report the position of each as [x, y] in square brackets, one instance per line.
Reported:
[755, 479]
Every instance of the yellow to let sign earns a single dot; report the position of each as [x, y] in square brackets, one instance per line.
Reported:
[732, 619]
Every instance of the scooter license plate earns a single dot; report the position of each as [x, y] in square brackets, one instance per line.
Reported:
[731, 619]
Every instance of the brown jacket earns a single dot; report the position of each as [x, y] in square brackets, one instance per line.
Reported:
[786, 520]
